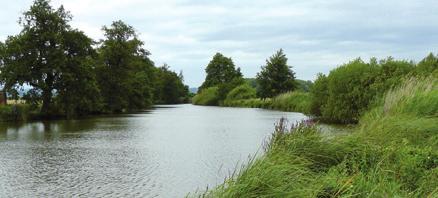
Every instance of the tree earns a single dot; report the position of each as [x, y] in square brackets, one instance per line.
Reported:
[427, 65]
[45, 54]
[125, 71]
[276, 76]
[219, 71]
[169, 86]
[77, 91]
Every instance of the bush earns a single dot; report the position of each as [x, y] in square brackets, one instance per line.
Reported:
[241, 92]
[208, 96]
[352, 88]
[319, 94]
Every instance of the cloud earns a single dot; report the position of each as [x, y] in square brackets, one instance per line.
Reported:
[317, 35]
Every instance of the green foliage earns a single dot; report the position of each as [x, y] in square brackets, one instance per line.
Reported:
[125, 71]
[244, 91]
[350, 91]
[220, 70]
[77, 90]
[45, 53]
[319, 94]
[427, 65]
[392, 153]
[69, 77]
[276, 76]
[208, 96]
[304, 85]
[292, 101]
[251, 82]
[221, 73]
[225, 88]
[14, 113]
[250, 103]
[352, 88]
[169, 87]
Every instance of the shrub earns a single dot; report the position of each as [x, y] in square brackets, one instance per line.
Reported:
[319, 94]
[208, 96]
[352, 88]
[241, 92]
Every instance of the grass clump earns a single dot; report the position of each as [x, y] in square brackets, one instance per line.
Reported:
[392, 153]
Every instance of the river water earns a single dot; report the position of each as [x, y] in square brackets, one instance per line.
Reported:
[169, 151]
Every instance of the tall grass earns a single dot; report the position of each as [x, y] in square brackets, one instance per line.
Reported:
[392, 153]
[290, 101]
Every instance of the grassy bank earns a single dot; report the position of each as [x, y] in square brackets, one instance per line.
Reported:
[291, 101]
[18, 112]
[392, 153]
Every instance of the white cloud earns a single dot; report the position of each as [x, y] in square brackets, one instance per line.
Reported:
[317, 35]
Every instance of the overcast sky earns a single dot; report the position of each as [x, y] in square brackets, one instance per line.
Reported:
[316, 35]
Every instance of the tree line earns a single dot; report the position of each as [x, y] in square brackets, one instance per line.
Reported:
[224, 80]
[70, 74]
[342, 96]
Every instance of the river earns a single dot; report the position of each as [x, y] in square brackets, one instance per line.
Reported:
[168, 151]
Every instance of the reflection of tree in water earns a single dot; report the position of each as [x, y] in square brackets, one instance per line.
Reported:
[46, 130]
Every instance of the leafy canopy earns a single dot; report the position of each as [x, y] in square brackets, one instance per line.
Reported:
[276, 76]
[219, 71]
[48, 54]
[125, 71]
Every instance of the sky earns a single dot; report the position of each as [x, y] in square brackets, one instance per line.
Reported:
[316, 35]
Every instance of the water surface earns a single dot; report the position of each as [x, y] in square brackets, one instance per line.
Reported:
[166, 152]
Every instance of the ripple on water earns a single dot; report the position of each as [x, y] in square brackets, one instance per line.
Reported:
[167, 153]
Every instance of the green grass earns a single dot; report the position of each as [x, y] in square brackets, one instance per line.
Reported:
[393, 152]
[290, 101]
[17, 112]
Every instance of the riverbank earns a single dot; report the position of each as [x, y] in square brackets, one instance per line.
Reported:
[393, 152]
[20, 113]
[289, 102]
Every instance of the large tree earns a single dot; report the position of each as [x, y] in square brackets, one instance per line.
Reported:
[169, 86]
[77, 90]
[125, 71]
[46, 53]
[276, 76]
[219, 71]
